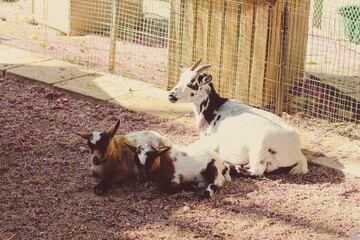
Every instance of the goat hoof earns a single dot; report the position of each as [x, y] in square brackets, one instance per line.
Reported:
[243, 173]
[99, 190]
[257, 177]
[246, 167]
[204, 196]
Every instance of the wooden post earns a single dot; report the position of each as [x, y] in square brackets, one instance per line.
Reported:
[112, 52]
[293, 60]
[176, 41]
[202, 26]
[230, 47]
[273, 55]
[280, 84]
[260, 37]
[243, 67]
[214, 44]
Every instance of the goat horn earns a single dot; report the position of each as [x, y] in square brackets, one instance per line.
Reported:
[195, 65]
[202, 68]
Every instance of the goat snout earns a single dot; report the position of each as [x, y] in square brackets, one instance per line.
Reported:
[172, 98]
[96, 160]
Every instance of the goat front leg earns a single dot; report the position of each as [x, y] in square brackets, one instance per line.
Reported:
[104, 185]
[257, 161]
[171, 188]
[239, 171]
[107, 182]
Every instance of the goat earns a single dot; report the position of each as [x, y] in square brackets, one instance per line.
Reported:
[239, 133]
[112, 160]
[180, 167]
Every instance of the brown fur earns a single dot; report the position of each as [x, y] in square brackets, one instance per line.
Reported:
[116, 165]
[119, 160]
[163, 166]
[134, 140]
[163, 143]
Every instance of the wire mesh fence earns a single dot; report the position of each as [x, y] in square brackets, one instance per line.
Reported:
[297, 56]
[331, 89]
[85, 32]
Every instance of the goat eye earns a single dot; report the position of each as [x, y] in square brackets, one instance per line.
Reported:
[193, 86]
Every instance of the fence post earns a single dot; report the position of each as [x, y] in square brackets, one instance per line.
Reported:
[280, 82]
[114, 13]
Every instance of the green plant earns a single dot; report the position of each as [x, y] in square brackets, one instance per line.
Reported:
[311, 62]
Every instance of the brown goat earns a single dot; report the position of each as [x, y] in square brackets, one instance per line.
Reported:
[112, 160]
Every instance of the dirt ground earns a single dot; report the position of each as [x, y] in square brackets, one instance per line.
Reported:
[46, 183]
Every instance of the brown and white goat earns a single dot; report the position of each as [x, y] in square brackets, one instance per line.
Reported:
[180, 167]
[112, 160]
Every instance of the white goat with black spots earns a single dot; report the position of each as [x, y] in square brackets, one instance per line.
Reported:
[180, 167]
[239, 133]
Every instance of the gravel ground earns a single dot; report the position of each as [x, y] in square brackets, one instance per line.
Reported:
[45, 190]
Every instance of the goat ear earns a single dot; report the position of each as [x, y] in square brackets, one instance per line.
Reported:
[162, 150]
[182, 68]
[114, 128]
[84, 135]
[131, 146]
[205, 80]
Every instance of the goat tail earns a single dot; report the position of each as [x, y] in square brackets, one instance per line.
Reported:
[301, 166]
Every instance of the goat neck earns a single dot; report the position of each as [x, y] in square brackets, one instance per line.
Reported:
[207, 103]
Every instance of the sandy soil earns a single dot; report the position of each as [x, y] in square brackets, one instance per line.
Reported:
[45, 190]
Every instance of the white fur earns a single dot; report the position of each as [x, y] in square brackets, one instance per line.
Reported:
[211, 192]
[148, 137]
[195, 161]
[142, 154]
[247, 137]
[95, 137]
[189, 161]
[243, 135]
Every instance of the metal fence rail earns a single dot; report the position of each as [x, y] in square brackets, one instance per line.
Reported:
[281, 55]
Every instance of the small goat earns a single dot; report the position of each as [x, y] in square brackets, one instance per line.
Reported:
[239, 133]
[112, 160]
[180, 167]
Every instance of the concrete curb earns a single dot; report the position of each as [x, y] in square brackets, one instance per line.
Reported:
[85, 83]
